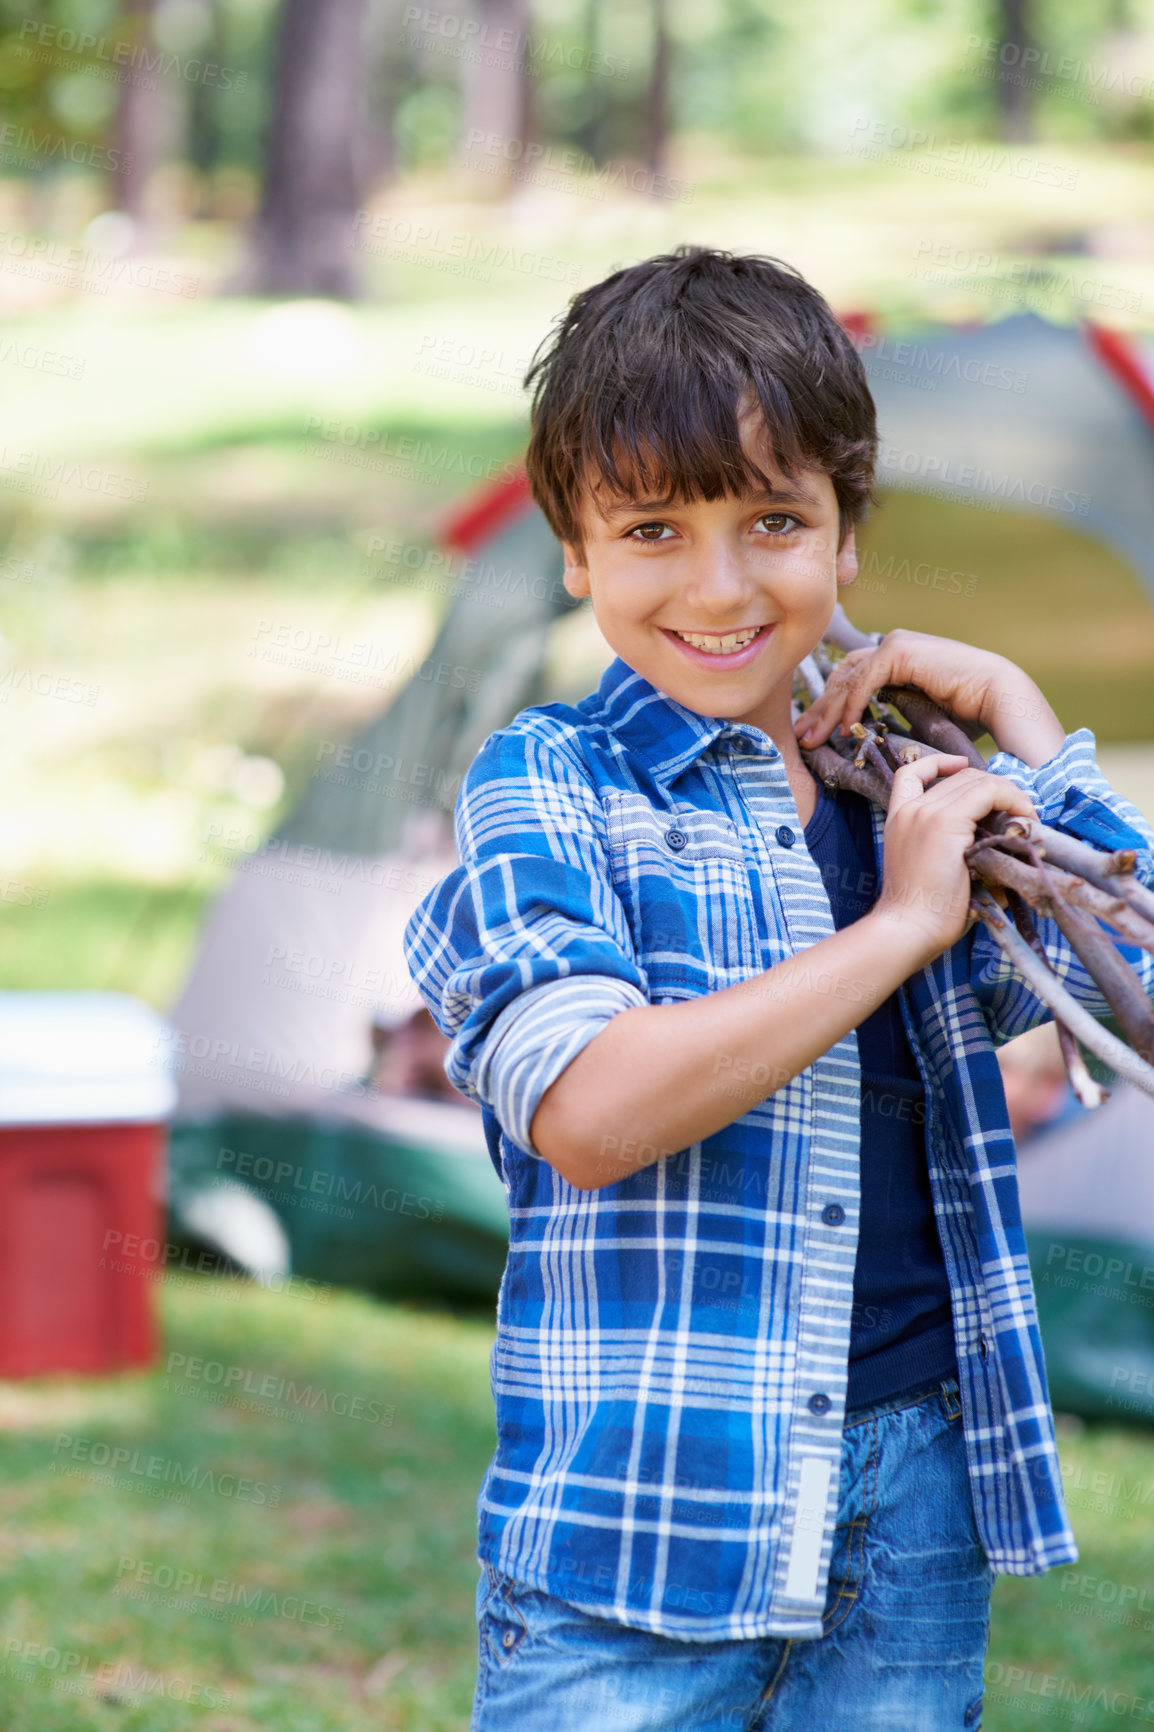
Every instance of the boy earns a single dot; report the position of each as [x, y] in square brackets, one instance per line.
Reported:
[771, 1407]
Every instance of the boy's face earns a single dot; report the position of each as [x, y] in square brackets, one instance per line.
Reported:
[715, 602]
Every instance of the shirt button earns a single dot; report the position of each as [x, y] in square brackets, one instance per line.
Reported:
[508, 1639]
[676, 839]
[819, 1404]
[983, 1347]
[833, 1214]
[785, 836]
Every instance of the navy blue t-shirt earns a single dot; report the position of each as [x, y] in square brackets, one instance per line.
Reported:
[901, 1335]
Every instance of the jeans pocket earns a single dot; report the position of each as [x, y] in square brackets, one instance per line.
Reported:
[503, 1625]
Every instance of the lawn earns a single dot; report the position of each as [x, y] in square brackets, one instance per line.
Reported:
[319, 1576]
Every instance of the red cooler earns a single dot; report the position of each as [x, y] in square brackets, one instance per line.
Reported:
[85, 1090]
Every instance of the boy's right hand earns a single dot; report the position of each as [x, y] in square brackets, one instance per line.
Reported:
[935, 805]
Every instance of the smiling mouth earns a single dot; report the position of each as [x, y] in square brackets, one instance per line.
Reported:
[719, 643]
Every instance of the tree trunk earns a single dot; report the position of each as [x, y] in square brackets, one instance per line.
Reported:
[148, 124]
[302, 242]
[589, 137]
[1013, 91]
[497, 87]
[657, 101]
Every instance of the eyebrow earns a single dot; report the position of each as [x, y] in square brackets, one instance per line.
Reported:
[636, 507]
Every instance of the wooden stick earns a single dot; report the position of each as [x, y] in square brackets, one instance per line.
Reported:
[1086, 1090]
[811, 678]
[931, 723]
[1046, 986]
[993, 865]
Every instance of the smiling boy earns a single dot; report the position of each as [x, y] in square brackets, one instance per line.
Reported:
[771, 1406]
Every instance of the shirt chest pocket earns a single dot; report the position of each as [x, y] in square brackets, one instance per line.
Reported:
[684, 881]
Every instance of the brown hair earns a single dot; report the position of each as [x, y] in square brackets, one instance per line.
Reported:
[640, 385]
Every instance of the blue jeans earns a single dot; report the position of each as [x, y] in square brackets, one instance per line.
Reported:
[906, 1620]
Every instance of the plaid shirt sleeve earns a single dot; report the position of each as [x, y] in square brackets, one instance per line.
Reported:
[531, 904]
[1070, 793]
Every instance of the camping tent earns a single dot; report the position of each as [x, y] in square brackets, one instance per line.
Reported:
[302, 953]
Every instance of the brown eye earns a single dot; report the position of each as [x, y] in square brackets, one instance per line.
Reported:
[649, 531]
[778, 521]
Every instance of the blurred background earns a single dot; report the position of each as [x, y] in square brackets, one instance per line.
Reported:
[271, 272]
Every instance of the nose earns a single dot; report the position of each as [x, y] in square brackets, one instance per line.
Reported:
[719, 584]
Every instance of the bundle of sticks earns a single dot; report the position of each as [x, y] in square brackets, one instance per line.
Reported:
[1035, 867]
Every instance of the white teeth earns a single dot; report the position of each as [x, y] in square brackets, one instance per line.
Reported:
[719, 646]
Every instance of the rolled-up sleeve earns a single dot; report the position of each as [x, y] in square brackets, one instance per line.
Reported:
[531, 904]
[1069, 793]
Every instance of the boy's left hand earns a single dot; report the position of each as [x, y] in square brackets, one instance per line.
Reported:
[976, 685]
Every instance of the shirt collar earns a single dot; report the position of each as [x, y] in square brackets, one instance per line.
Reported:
[664, 734]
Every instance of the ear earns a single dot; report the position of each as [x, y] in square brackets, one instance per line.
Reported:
[576, 578]
[847, 560]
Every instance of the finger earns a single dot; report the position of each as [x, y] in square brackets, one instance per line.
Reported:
[977, 793]
[913, 779]
[824, 714]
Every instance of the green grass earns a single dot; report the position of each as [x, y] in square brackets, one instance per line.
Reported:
[105, 934]
[357, 1570]
[357, 1531]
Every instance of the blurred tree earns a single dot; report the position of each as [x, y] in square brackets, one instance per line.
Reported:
[1012, 85]
[588, 134]
[152, 113]
[302, 240]
[497, 83]
[657, 104]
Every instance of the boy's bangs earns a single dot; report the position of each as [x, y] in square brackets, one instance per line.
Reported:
[682, 446]
[643, 388]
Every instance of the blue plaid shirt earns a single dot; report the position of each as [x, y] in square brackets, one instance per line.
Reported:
[670, 1362]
